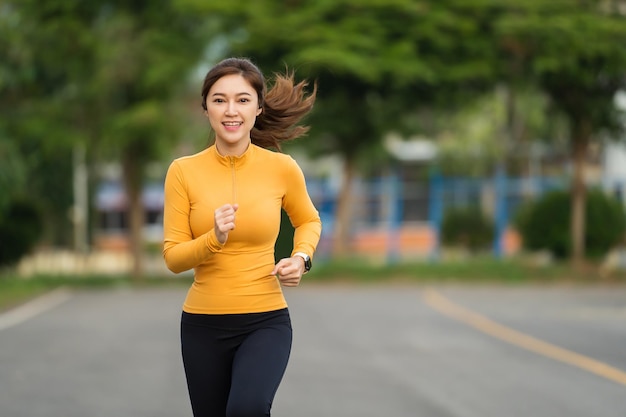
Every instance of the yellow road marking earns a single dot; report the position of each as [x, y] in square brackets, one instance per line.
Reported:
[506, 334]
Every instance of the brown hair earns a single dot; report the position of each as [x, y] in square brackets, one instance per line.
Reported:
[284, 104]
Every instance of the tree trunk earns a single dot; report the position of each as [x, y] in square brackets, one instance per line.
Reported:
[581, 136]
[341, 247]
[132, 174]
[80, 209]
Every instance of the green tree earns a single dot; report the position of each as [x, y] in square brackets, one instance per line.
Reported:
[575, 52]
[101, 74]
[543, 223]
[375, 62]
[146, 53]
[470, 140]
[46, 51]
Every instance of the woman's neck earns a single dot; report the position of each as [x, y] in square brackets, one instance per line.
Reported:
[236, 149]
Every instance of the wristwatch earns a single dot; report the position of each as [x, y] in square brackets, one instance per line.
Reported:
[307, 260]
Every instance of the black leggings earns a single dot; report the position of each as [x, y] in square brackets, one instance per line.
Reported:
[234, 362]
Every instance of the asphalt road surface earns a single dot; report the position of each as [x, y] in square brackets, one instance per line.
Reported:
[366, 351]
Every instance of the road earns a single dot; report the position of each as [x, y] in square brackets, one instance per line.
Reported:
[376, 350]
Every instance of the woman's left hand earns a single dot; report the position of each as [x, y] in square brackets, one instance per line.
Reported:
[289, 271]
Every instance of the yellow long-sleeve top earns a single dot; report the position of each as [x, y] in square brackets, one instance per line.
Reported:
[234, 277]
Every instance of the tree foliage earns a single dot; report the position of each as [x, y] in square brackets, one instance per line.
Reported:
[575, 53]
[544, 224]
[374, 61]
[20, 229]
[42, 75]
[468, 228]
[101, 73]
[146, 54]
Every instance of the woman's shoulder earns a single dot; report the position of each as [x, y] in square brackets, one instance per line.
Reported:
[281, 164]
[192, 159]
[274, 157]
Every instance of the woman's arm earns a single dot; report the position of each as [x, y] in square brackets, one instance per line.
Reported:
[180, 250]
[302, 213]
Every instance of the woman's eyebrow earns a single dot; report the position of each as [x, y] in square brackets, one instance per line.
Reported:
[244, 93]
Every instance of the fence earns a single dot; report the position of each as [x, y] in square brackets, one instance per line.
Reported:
[394, 219]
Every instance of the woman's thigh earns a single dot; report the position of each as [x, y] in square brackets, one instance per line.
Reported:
[207, 361]
[258, 367]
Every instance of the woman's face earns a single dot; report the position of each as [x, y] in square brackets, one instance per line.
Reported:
[232, 107]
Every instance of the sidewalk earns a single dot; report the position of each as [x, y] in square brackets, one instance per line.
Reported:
[65, 262]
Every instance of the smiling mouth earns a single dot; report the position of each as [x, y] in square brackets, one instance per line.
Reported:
[232, 124]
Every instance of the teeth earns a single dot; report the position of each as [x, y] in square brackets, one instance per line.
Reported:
[232, 123]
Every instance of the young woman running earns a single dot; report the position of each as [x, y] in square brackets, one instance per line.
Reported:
[221, 219]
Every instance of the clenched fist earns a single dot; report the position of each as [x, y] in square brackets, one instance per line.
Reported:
[224, 221]
[289, 271]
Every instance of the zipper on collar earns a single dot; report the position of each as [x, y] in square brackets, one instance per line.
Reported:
[233, 178]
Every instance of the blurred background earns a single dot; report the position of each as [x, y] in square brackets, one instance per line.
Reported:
[443, 130]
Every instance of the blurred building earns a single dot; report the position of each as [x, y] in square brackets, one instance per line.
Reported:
[111, 207]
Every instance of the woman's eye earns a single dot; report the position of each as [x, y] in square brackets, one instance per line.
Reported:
[218, 100]
[244, 100]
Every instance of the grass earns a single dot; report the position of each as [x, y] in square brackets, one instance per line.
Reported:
[475, 270]
[15, 290]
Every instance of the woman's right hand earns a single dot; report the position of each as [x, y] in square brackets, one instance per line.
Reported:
[224, 221]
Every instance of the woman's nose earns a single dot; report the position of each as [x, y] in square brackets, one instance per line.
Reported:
[231, 109]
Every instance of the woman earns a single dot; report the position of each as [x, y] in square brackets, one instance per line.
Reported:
[221, 218]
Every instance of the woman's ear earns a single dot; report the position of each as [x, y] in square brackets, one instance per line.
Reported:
[259, 111]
